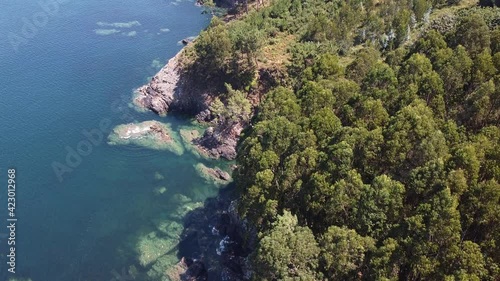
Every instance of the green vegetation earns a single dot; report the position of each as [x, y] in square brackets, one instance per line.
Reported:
[374, 151]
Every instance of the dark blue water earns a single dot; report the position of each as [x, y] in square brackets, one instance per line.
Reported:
[66, 76]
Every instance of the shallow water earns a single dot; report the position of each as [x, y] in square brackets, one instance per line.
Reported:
[76, 70]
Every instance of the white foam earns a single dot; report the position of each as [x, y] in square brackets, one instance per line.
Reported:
[223, 245]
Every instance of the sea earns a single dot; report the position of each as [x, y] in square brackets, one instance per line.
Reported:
[86, 210]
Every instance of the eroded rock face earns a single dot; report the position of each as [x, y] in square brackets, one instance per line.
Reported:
[170, 89]
[216, 143]
[159, 93]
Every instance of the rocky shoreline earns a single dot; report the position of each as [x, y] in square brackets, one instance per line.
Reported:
[172, 90]
[159, 93]
[215, 229]
[218, 234]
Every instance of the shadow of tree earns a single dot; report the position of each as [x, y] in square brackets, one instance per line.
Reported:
[212, 244]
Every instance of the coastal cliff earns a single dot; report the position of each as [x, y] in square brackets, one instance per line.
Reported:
[216, 230]
[361, 137]
[173, 89]
[159, 93]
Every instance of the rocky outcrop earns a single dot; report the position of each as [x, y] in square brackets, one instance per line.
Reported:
[188, 270]
[172, 89]
[213, 175]
[220, 141]
[222, 240]
[159, 93]
[149, 134]
[188, 40]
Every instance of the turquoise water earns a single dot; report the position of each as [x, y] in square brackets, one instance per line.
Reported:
[75, 70]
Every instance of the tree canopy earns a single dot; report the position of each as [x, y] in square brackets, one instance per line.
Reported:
[376, 154]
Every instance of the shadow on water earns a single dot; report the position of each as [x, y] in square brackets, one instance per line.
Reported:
[211, 246]
[178, 239]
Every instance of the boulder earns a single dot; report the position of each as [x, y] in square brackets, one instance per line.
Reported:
[213, 175]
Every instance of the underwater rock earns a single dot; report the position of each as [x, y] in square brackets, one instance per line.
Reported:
[172, 229]
[179, 199]
[188, 137]
[183, 205]
[188, 270]
[159, 176]
[150, 247]
[161, 267]
[182, 210]
[150, 134]
[160, 190]
[200, 192]
[213, 175]
[220, 141]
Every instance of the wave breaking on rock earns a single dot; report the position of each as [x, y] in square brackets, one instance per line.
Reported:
[149, 134]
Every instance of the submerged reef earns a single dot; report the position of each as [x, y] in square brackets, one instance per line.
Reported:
[156, 244]
[160, 190]
[148, 134]
[213, 175]
[189, 135]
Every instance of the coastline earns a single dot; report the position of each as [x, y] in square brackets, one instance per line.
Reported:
[219, 230]
[298, 158]
[158, 94]
[172, 89]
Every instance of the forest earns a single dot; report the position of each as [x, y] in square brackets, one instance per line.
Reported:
[372, 148]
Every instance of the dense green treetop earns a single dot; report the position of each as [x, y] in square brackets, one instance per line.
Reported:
[374, 151]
